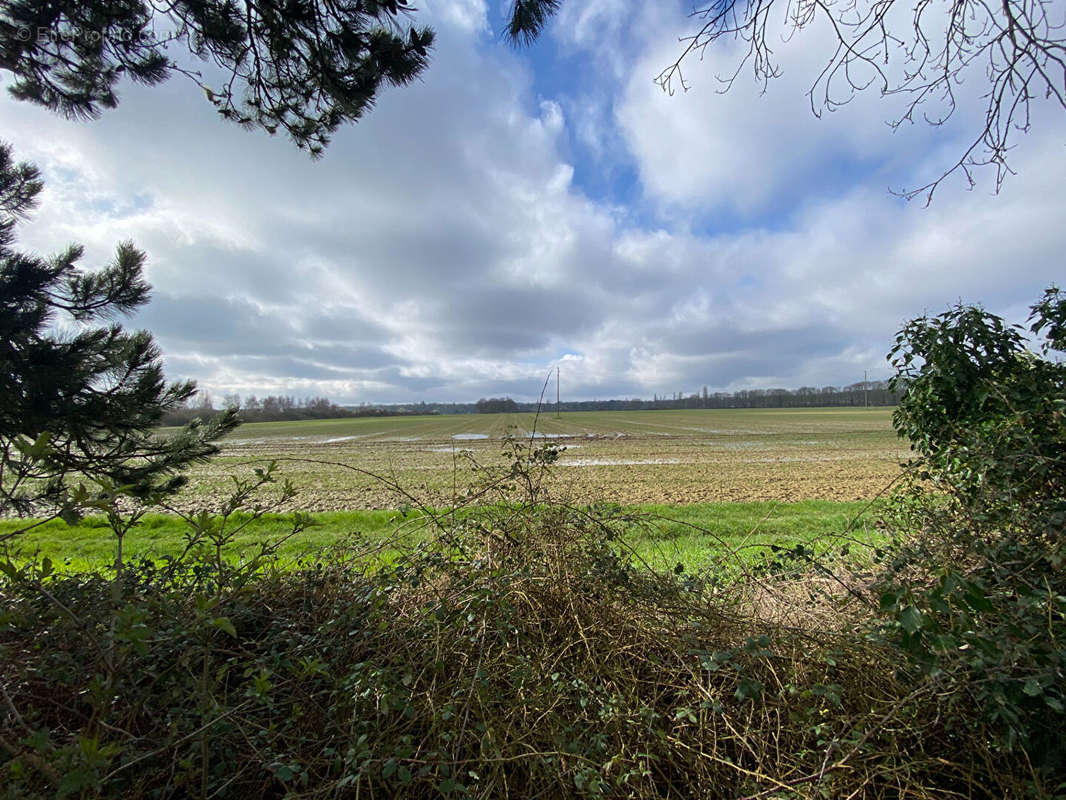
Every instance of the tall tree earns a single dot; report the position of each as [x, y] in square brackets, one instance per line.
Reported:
[80, 397]
[302, 66]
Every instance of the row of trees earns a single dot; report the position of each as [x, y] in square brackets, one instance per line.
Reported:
[272, 408]
[864, 393]
[496, 405]
[279, 408]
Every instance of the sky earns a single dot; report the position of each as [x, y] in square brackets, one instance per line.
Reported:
[516, 210]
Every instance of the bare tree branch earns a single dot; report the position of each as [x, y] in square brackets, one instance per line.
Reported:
[1016, 46]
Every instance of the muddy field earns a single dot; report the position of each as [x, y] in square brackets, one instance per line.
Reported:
[626, 457]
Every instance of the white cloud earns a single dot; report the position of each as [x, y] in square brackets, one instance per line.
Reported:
[733, 143]
[467, 15]
[447, 248]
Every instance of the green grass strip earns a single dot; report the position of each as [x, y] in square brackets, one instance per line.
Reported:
[661, 534]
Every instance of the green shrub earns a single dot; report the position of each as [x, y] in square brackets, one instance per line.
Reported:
[976, 594]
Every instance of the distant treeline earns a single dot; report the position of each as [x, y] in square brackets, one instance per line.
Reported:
[868, 393]
[496, 405]
[873, 393]
[277, 409]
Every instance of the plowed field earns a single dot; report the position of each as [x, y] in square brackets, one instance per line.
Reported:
[626, 457]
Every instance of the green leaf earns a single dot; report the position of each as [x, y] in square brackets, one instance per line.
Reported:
[38, 449]
[1032, 687]
[224, 624]
[976, 599]
[76, 781]
[889, 600]
[911, 619]
[748, 688]
[70, 515]
[285, 772]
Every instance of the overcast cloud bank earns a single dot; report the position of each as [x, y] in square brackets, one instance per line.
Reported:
[467, 236]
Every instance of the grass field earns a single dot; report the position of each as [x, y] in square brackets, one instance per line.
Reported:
[697, 536]
[644, 457]
[702, 483]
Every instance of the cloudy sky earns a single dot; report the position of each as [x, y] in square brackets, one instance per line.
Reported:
[520, 209]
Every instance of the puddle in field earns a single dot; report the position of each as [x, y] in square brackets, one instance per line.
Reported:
[343, 438]
[469, 436]
[615, 462]
[793, 459]
[539, 435]
[731, 431]
[266, 440]
[454, 449]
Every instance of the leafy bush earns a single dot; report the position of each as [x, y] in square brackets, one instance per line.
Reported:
[976, 597]
[986, 415]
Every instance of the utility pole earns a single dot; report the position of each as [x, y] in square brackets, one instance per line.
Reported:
[558, 404]
[865, 389]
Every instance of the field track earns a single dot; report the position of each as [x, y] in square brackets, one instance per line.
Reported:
[627, 457]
